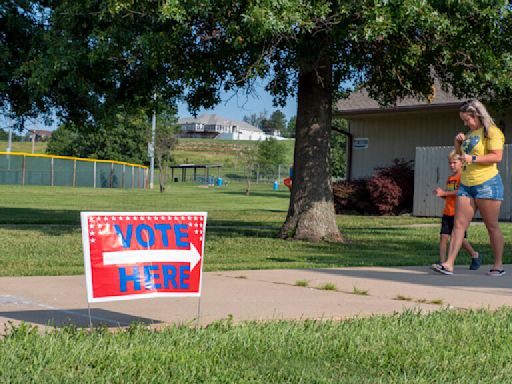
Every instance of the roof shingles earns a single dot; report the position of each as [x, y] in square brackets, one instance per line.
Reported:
[359, 102]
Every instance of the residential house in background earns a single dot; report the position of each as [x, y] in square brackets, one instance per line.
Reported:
[39, 134]
[269, 130]
[216, 126]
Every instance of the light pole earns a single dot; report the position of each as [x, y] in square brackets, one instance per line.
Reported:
[152, 148]
[9, 142]
[33, 140]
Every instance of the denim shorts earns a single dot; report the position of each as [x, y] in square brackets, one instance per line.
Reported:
[491, 189]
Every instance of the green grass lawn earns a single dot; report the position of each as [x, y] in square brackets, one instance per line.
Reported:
[40, 235]
[211, 151]
[441, 347]
[40, 230]
[196, 151]
[26, 146]
[225, 152]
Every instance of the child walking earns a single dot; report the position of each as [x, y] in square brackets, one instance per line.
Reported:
[450, 196]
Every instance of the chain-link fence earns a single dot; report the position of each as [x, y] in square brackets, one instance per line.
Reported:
[258, 173]
[210, 173]
[29, 169]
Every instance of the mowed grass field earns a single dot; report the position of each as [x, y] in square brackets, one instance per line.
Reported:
[441, 347]
[25, 146]
[188, 151]
[209, 151]
[40, 230]
[200, 152]
[40, 235]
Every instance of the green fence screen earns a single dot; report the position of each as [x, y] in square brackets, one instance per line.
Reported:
[29, 169]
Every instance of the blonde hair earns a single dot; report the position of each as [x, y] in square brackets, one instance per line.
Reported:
[476, 108]
[453, 155]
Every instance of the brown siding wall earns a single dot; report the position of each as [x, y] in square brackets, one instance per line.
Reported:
[397, 135]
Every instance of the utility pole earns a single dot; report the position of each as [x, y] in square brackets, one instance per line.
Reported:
[9, 145]
[152, 148]
[9, 142]
[33, 140]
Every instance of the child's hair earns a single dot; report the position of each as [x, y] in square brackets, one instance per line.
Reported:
[453, 155]
[476, 108]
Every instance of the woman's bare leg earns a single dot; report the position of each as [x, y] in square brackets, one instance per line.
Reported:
[490, 210]
[465, 209]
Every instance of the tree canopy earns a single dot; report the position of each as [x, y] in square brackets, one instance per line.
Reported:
[278, 121]
[166, 130]
[270, 154]
[93, 56]
[21, 36]
[123, 137]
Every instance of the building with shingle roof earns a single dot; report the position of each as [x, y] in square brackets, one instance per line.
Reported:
[378, 135]
[216, 126]
[359, 101]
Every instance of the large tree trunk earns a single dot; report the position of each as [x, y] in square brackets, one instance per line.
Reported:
[311, 213]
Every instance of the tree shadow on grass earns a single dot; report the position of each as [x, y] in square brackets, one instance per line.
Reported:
[248, 231]
[371, 252]
[283, 195]
[44, 229]
[60, 222]
[38, 216]
[228, 229]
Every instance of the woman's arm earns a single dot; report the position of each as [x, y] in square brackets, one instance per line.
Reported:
[494, 156]
[459, 138]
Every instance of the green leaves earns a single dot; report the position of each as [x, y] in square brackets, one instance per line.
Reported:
[271, 153]
[122, 137]
[285, 17]
[93, 55]
[400, 47]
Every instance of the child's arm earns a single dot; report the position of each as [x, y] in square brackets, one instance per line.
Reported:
[439, 192]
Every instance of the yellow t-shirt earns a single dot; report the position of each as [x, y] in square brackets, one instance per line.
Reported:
[478, 145]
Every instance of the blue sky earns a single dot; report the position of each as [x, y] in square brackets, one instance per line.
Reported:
[234, 106]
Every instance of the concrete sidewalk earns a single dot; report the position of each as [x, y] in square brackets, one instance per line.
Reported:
[259, 295]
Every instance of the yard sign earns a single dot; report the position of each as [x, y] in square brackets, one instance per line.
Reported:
[130, 255]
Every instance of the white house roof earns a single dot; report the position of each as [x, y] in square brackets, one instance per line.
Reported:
[218, 120]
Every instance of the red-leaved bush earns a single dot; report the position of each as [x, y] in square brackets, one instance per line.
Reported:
[352, 196]
[402, 173]
[384, 193]
[389, 191]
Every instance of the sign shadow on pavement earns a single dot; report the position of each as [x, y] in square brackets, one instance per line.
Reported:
[59, 318]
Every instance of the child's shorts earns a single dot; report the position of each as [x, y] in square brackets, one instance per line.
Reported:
[447, 225]
[491, 189]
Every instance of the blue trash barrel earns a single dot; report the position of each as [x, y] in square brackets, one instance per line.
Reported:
[276, 185]
[219, 181]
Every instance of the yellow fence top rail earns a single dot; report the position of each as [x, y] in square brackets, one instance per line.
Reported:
[71, 158]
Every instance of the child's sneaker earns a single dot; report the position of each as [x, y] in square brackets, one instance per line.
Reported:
[475, 262]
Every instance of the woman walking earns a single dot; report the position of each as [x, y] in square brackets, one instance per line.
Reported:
[481, 188]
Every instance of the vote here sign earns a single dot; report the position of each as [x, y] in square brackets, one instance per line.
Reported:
[131, 255]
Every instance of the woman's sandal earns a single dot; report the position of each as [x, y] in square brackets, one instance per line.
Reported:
[496, 272]
[441, 269]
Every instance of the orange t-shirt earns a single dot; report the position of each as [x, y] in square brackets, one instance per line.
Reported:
[452, 184]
